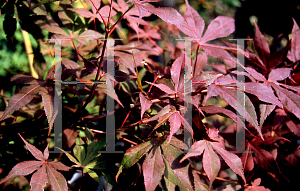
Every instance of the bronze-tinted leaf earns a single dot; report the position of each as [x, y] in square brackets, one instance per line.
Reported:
[22, 169]
[21, 99]
[48, 102]
[39, 180]
[23, 79]
[56, 179]
[33, 150]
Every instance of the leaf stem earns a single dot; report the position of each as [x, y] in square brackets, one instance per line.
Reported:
[218, 178]
[112, 28]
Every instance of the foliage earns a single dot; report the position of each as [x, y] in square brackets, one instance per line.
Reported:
[153, 99]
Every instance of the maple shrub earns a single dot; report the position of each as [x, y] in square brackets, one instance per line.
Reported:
[163, 147]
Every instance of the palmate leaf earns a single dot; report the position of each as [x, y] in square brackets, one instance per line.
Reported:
[47, 172]
[262, 92]
[219, 27]
[230, 96]
[153, 169]
[210, 159]
[167, 14]
[21, 99]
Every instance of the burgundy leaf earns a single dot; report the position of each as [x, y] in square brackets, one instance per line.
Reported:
[48, 102]
[70, 137]
[293, 127]
[294, 88]
[153, 169]
[219, 27]
[278, 56]
[247, 160]
[211, 163]
[294, 54]
[290, 100]
[70, 64]
[175, 71]
[233, 161]
[264, 158]
[22, 169]
[145, 104]
[186, 124]
[196, 150]
[175, 123]
[163, 87]
[194, 20]
[254, 59]
[216, 109]
[23, 79]
[294, 157]
[33, 150]
[168, 15]
[56, 179]
[261, 46]
[230, 96]
[20, 99]
[258, 76]
[265, 111]
[217, 51]
[279, 74]
[263, 93]
[162, 112]
[90, 66]
[39, 180]
[200, 64]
